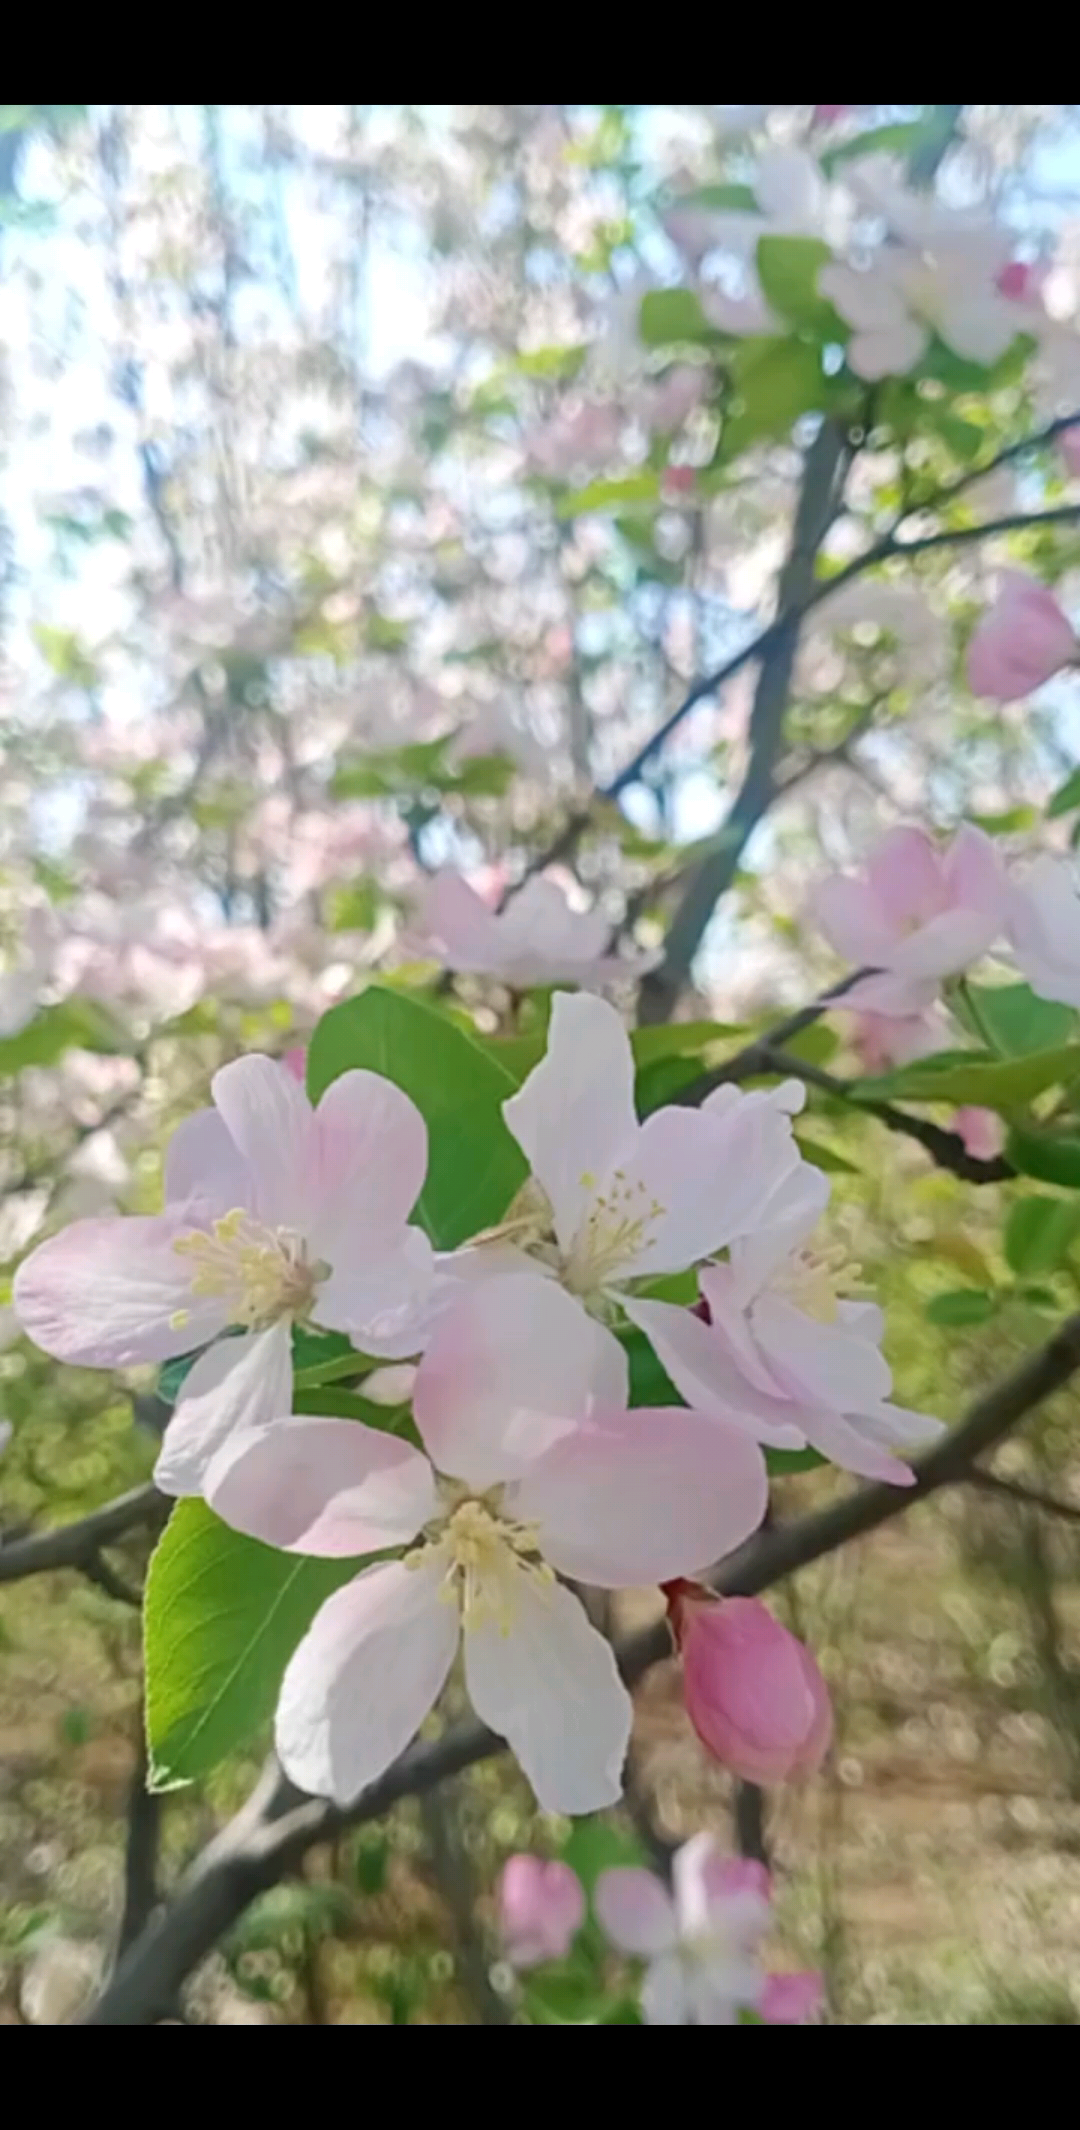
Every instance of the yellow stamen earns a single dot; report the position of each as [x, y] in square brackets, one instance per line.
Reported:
[483, 1554]
[260, 1273]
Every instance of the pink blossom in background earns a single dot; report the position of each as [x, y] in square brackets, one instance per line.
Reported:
[1021, 641]
[1044, 929]
[702, 1941]
[827, 114]
[753, 1692]
[275, 1213]
[578, 440]
[541, 1909]
[1069, 447]
[915, 915]
[1022, 283]
[981, 1130]
[882, 1040]
[535, 1470]
[536, 939]
[665, 403]
[781, 1354]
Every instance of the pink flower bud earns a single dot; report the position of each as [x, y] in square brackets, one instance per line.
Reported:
[295, 1061]
[678, 481]
[1020, 282]
[753, 1693]
[1022, 641]
[981, 1130]
[541, 1910]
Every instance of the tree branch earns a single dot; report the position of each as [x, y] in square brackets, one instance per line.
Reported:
[78, 1545]
[1029, 1497]
[945, 1148]
[276, 1826]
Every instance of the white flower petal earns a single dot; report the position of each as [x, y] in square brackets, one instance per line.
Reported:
[664, 1997]
[240, 1383]
[110, 1293]
[636, 1910]
[332, 1488]
[370, 1146]
[713, 1176]
[574, 1117]
[512, 1367]
[549, 1686]
[204, 1165]
[708, 1376]
[373, 1662]
[380, 1297]
[271, 1122]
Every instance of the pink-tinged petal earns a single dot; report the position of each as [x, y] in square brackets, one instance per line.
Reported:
[906, 877]
[851, 920]
[708, 1376]
[981, 1130]
[271, 1122]
[1021, 641]
[381, 1297]
[456, 925]
[842, 1442]
[204, 1166]
[712, 1177]
[539, 924]
[370, 1151]
[112, 1293]
[574, 1118]
[294, 1061]
[635, 1910]
[644, 1496]
[547, 1683]
[975, 877]
[1044, 926]
[240, 1383]
[373, 1662]
[333, 1488]
[753, 1692]
[665, 1999]
[705, 1887]
[541, 1909]
[946, 945]
[512, 1367]
[869, 301]
[892, 352]
[819, 1364]
[734, 1338]
[791, 2000]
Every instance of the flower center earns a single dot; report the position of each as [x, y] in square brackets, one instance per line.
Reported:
[811, 1277]
[483, 1554]
[613, 1234]
[260, 1273]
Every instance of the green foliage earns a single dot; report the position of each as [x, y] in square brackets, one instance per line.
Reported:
[474, 1166]
[222, 1617]
[1039, 1234]
[1066, 798]
[788, 268]
[1012, 1020]
[406, 773]
[774, 381]
[1049, 1156]
[971, 1076]
[77, 1025]
[902, 139]
[670, 316]
[961, 1305]
[617, 494]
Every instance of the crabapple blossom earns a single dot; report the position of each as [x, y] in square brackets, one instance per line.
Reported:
[1021, 641]
[534, 1470]
[916, 915]
[536, 939]
[981, 1130]
[1044, 929]
[275, 1213]
[702, 1941]
[753, 1692]
[882, 1040]
[782, 1353]
[942, 277]
[541, 1909]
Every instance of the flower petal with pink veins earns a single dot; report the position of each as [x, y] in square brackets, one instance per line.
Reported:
[710, 1378]
[574, 1117]
[512, 1367]
[372, 1664]
[547, 1682]
[332, 1488]
[906, 877]
[240, 1383]
[635, 1910]
[204, 1166]
[370, 1149]
[644, 1496]
[271, 1122]
[108, 1293]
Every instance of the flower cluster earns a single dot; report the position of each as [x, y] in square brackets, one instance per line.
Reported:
[525, 1469]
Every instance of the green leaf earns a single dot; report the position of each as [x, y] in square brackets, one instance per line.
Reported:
[223, 1615]
[76, 1025]
[650, 1384]
[1039, 1233]
[680, 1039]
[610, 495]
[774, 381]
[899, 139]
[826, 1157]
[1013, 1020]
[597, 1845]
[724, 199]
[1066, 798]
[474, 1166]
[781, 1464]
[962, 1305]
[974, 1077]
[1051, 1157]
[788, 268]
[670, 316]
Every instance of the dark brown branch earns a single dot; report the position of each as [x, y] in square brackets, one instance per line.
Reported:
[141, 1851]
[79, 1545]
[275, 1828]
[945, 1148]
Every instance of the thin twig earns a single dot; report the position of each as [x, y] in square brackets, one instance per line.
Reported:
[79, 1545]
[945, 1148]
[276, 1827]
[1030, 1497]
